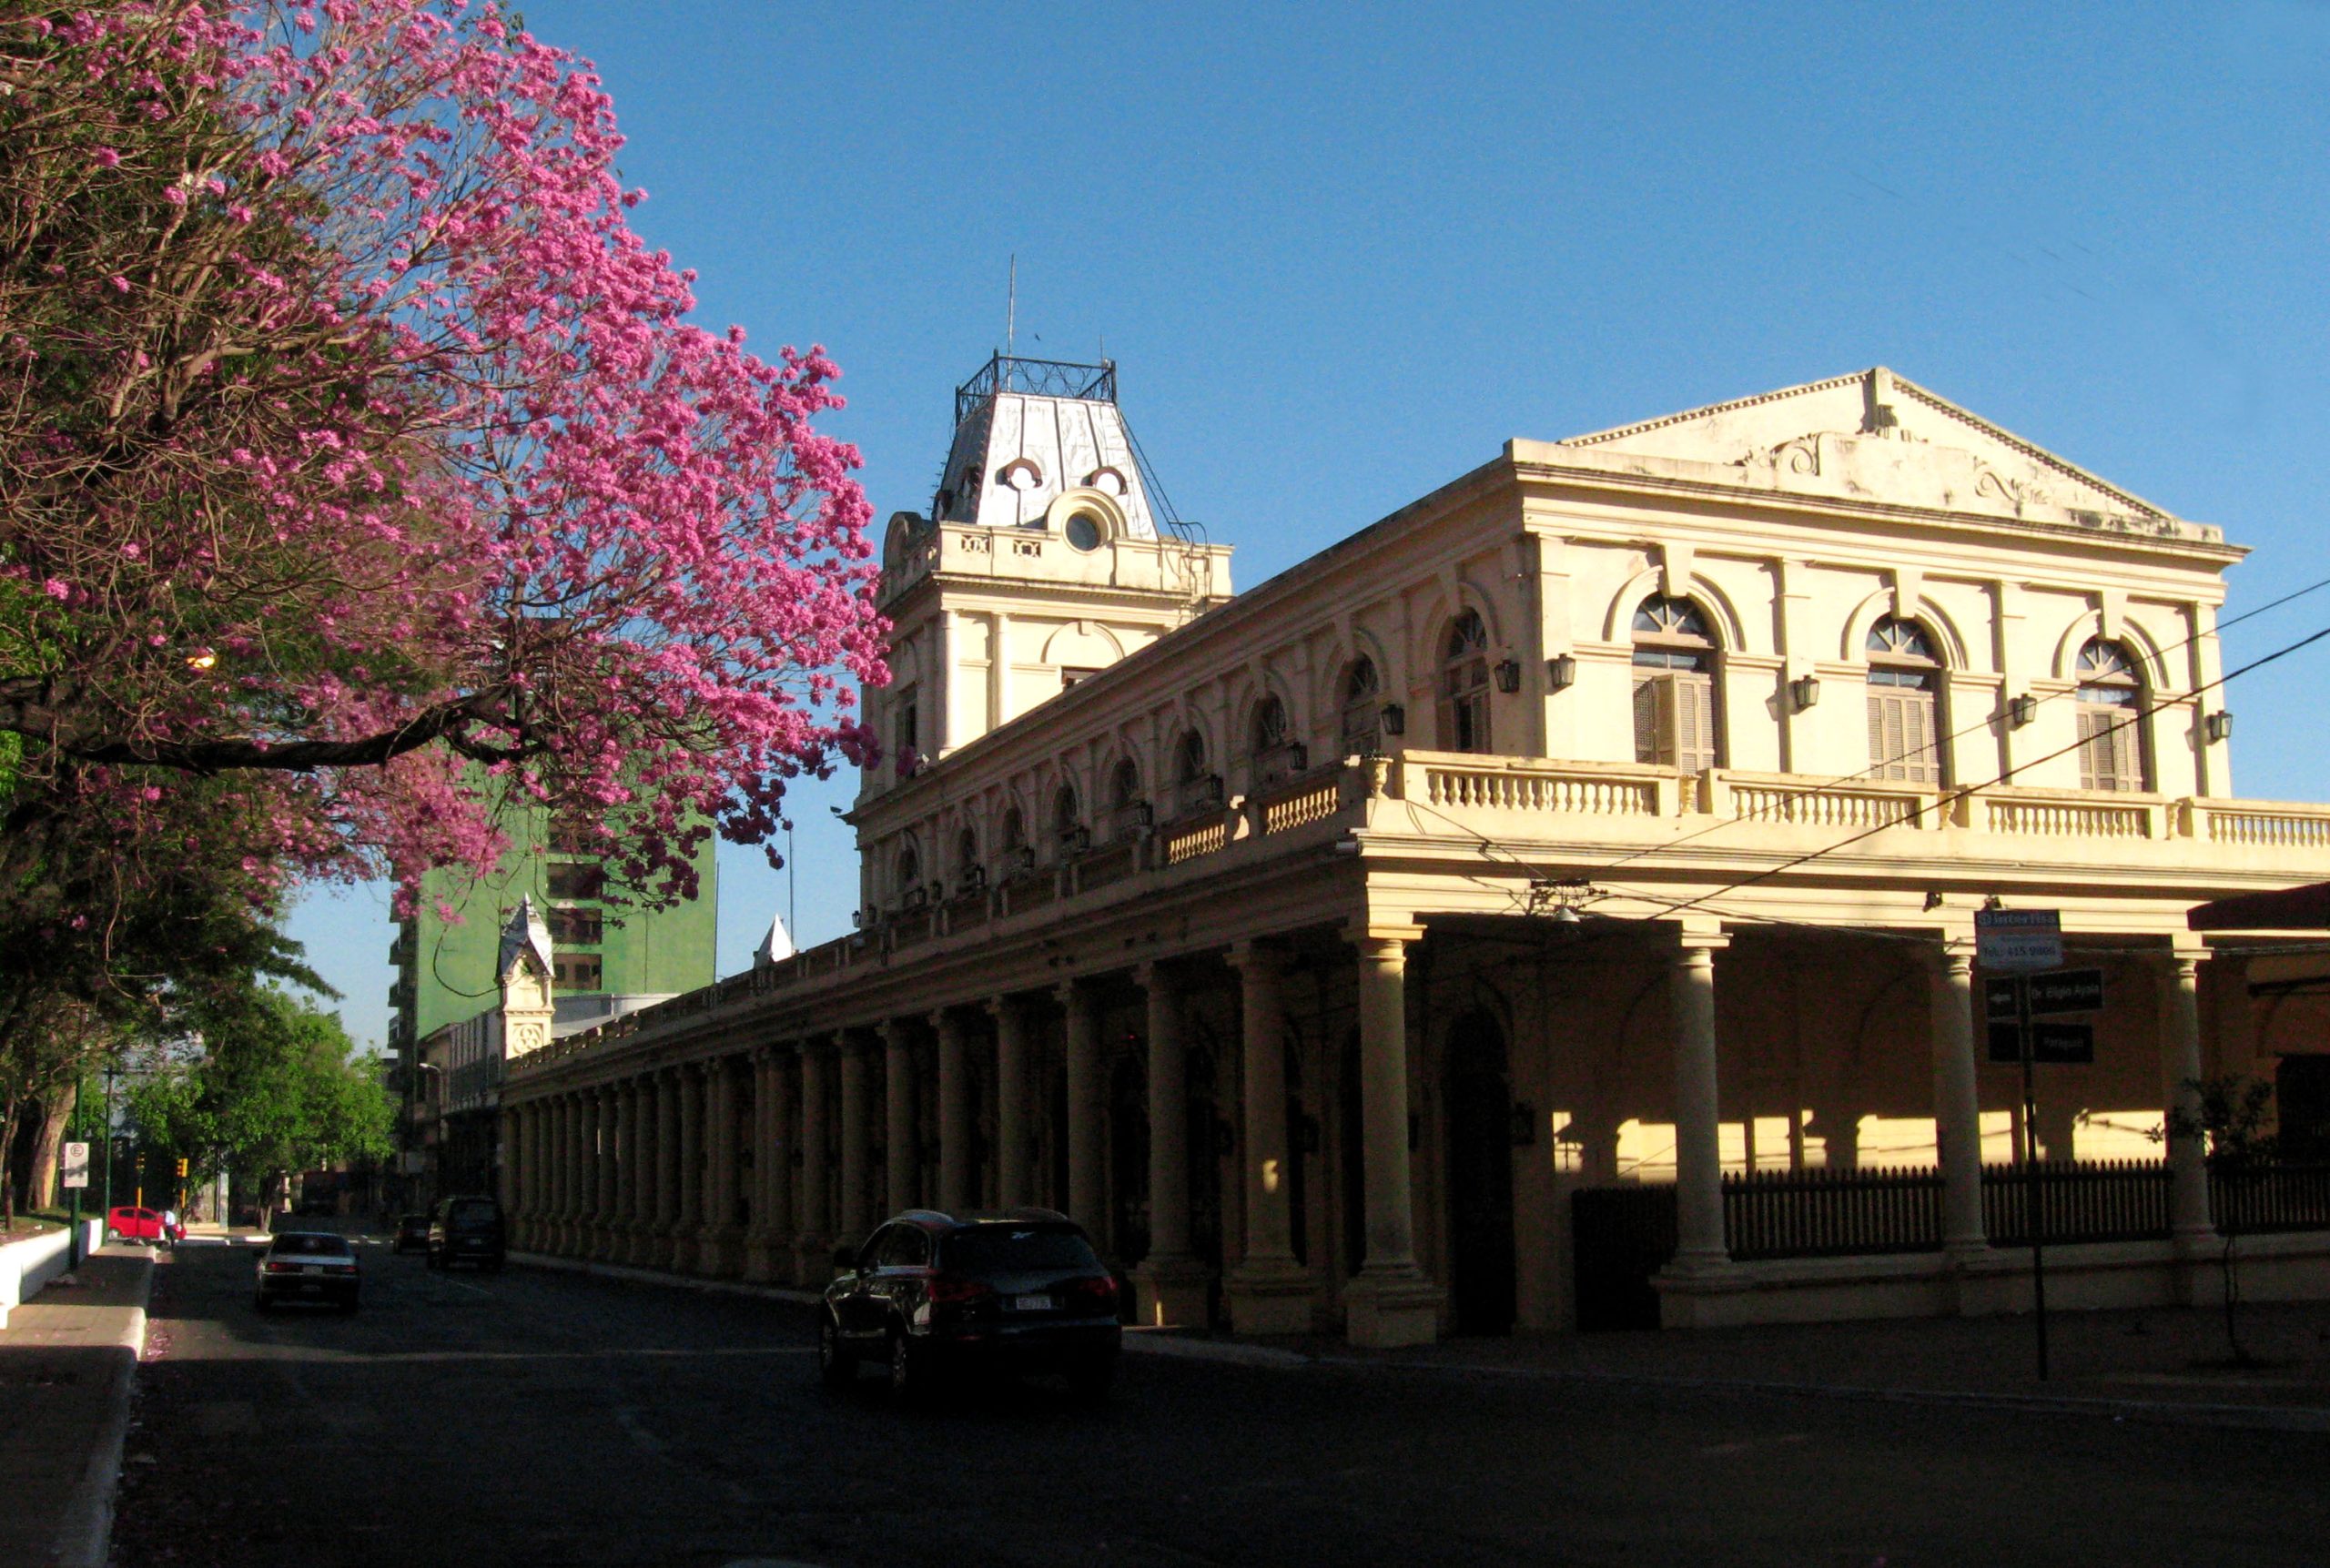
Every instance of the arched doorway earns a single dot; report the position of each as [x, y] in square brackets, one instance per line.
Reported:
[1479, 1096]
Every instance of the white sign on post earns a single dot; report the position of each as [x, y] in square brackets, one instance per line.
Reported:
[2019, 939]
[77, 1165]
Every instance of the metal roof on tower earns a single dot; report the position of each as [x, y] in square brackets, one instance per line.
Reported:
[1030, 432]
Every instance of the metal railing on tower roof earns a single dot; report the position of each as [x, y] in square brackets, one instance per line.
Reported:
[1036, 378]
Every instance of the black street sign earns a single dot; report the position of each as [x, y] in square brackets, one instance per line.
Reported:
[2066, 991]
[2057, 991]
[2062, 1045]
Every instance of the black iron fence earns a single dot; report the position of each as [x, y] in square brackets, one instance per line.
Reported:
[2259, 1198]
[1829, 1213]
[2079, 1200]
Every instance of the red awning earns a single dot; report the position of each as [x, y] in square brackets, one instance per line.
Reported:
[2291, 909]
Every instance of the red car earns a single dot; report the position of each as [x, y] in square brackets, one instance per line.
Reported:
[143, 1225]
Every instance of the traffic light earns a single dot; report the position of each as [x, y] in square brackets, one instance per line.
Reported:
[181, 1167]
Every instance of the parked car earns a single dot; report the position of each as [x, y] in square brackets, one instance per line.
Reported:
[412, 1233]
[467, 1231]
[308, 1265]
[134, 1224]
[1022, 1291]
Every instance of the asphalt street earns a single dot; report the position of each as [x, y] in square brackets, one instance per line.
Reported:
[545, 1417]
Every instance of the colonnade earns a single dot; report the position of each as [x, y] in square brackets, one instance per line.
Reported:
[757, 1161]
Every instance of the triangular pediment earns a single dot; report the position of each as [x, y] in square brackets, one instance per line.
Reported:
[1875, 436]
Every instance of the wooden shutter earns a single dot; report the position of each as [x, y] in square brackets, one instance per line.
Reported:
[1901, 733]
[1649, 729]
[2107, 749]
[1693, 721]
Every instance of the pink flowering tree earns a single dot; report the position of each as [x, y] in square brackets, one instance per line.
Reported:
[360, 440]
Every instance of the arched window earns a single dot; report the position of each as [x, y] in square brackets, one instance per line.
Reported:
[1274, 757]
[1904, 703]
[1195, 786]
[1068, 817]
[1015, 831]
[1128, 812]
[1014, 858]
[969, 875]
[1362, 724]
[1675, 686]
[2110, 704]
[1465, 685]
[909, 875]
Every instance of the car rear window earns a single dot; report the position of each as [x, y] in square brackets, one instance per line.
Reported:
[473, 1217]
[312, 1246]
[1002, 1249]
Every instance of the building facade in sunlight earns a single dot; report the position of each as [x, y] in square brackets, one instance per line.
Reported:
[1553, 904]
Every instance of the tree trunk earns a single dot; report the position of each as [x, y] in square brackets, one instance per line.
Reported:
[8, 1163]
[41, 1187]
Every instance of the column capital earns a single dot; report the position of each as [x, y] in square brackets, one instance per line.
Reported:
[997, 1006]
[1149, 973]
[1952, 957]
[1073, 993]
[2181, 960]
[1693, 937]
[896, 1031]
[1379, 941]
[1258, 958]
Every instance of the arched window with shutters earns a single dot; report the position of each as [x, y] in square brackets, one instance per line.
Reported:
[1128, 812]
[1904, 703]
[2110, 702]
[1465, 685]
[1273, 756]
[1362, 718]
[1017, 857]
[1067, 820]
[1195, 786]
[1677, 709]
[969, 875]
[908, 871]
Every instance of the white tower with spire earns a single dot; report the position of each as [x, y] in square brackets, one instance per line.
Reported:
[1048, 554]
[524, 971]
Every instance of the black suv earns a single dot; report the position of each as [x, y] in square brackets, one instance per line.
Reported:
[466, 1230]
[1022, 1290]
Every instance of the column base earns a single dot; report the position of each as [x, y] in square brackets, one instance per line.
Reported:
[637, 1245]
[1271, 1298]
[1385, 1311]
[688, 1241]
[760, 1258]
[720, 1252]
[813, 1268]
[1172, 1293]
[1694, 1293]
[606, 1243]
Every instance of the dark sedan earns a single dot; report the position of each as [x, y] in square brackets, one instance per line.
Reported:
[412, 1233]
[1022, 1291]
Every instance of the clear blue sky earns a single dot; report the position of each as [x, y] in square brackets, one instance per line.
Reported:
[1342, 253]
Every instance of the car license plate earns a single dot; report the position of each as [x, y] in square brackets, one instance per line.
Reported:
[1031, 1303]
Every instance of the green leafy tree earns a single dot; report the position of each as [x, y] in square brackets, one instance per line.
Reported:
[274, 1087]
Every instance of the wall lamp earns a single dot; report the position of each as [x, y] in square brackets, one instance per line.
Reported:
[2217, 727]
[1804, 691]
[1393, 718]
[2021, 711]
[1508, 676]
[1561, 671]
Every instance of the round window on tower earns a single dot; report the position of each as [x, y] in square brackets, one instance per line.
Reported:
[1084, 530]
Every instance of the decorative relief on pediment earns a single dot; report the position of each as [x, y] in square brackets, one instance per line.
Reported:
[2013, 493]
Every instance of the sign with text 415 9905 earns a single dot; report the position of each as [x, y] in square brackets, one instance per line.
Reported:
[2016, 940]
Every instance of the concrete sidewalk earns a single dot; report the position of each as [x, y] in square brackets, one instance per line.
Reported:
[67, 1360]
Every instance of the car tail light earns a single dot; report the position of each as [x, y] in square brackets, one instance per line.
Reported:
[953, 1288]
[274, 1268]
[1099, 1293]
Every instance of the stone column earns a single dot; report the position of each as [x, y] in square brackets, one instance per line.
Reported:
[900, 1133]
[1087, 1114]
[606, 1236]
[1013, 1120]
[1389, 1302]
[955, 1113]
[719, 1241]
[1268, 1291]
[1957, 1112]
[687, 1228]
[667, 1167]
[760, 1233]
[2180, 1069]
[784, 1138]
[638, 1181]
[570, 1172]
[1170, 1283]
[816, 1244]
[516, 1168]
[587, 1212]
[1700, 1248]
[857, 1217]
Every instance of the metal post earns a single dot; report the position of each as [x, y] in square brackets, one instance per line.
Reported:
[2034, 1207]
[110, 1070]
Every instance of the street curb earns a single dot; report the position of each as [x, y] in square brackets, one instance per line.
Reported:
[2165, 1412]
[86, 1538]
[1228, 1352]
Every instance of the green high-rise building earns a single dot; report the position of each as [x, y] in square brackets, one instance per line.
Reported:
[610, 958]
